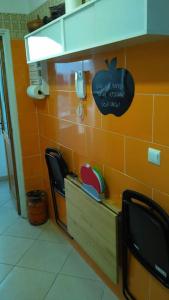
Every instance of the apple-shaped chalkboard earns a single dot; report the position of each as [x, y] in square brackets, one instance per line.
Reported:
[113, 90]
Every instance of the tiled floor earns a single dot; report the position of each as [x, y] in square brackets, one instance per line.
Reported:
[38, 263]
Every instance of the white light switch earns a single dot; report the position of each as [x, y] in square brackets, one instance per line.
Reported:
[154, 156]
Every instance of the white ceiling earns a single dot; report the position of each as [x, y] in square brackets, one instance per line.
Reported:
[19, 6]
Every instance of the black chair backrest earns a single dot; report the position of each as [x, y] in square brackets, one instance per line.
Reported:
[57, 168]
[146, 234]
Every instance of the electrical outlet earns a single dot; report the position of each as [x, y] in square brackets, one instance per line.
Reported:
[154, 156]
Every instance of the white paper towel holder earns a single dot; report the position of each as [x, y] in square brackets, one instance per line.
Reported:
[39, 87]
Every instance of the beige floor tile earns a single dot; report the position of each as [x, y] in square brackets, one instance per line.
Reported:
[9, 204]
[73, 288]
[109, 295]
[52, 234]
[4, 270]
[76, 266]
[7, 218]
[25, 284]
[22, 228]
[46, 256]
[12, 249]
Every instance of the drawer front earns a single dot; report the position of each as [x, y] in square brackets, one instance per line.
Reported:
[94, 227]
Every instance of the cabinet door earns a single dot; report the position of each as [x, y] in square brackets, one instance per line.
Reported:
[94, 227]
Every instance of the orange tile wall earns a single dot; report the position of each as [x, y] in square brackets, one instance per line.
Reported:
[28, 120]
[118, 145]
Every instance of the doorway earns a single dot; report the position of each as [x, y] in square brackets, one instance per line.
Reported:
[9, 125]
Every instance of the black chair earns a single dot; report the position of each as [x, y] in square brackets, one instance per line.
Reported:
[145, 233]
[57, 170]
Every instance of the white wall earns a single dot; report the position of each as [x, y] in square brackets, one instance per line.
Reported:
[3, 167]
[19, 6]
[33, 4]
[14, 6]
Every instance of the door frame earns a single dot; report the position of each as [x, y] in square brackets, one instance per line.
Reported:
[5, 35]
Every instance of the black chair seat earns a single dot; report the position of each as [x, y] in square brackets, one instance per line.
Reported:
[146, 236]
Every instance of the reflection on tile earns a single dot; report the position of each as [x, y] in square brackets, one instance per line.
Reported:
[76, 266]
[73, 288]
[46, 256]
[26, 284]
[12, 249]
[4, 270]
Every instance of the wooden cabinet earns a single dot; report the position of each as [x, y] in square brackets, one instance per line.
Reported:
[94, 227]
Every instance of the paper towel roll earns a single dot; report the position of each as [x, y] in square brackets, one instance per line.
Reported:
[34, 91]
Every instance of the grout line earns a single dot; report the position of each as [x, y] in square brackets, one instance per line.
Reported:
[152, 94]
[34, 269]
[125, 168]
[135, 179]
[105, 130]
[125, 58]
[164, 193]
[39, 146]
[33, 242]
[149, 288]
[52, 284]
[13, 266]
[153, 118]
[31, 156]
[99, 280]
[66, 260]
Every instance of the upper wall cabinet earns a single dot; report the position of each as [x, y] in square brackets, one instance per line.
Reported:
[98, 24]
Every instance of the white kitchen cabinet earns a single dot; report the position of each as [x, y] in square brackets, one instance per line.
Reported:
[99, 24]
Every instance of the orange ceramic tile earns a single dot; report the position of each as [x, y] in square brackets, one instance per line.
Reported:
[138, 280]
[92, 116]
[21, 75]
[65, 75]
[67, 156]
[105, 147]
[35, 183]
[30, 144]
[79, 160]
[48, 126]
[72, 136]
[24, 103]
[162, 199]
[28, 123]
[18, 52]
[161, 120]
[45, 173]
[46, 143]
[94, 63]
[63, 105]
[32, 167]
[117, 182]
[136, 122]
[137, 165]
[99, 60]
[157, 290]
[51, 75]
[42, 105]
[149, 64]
